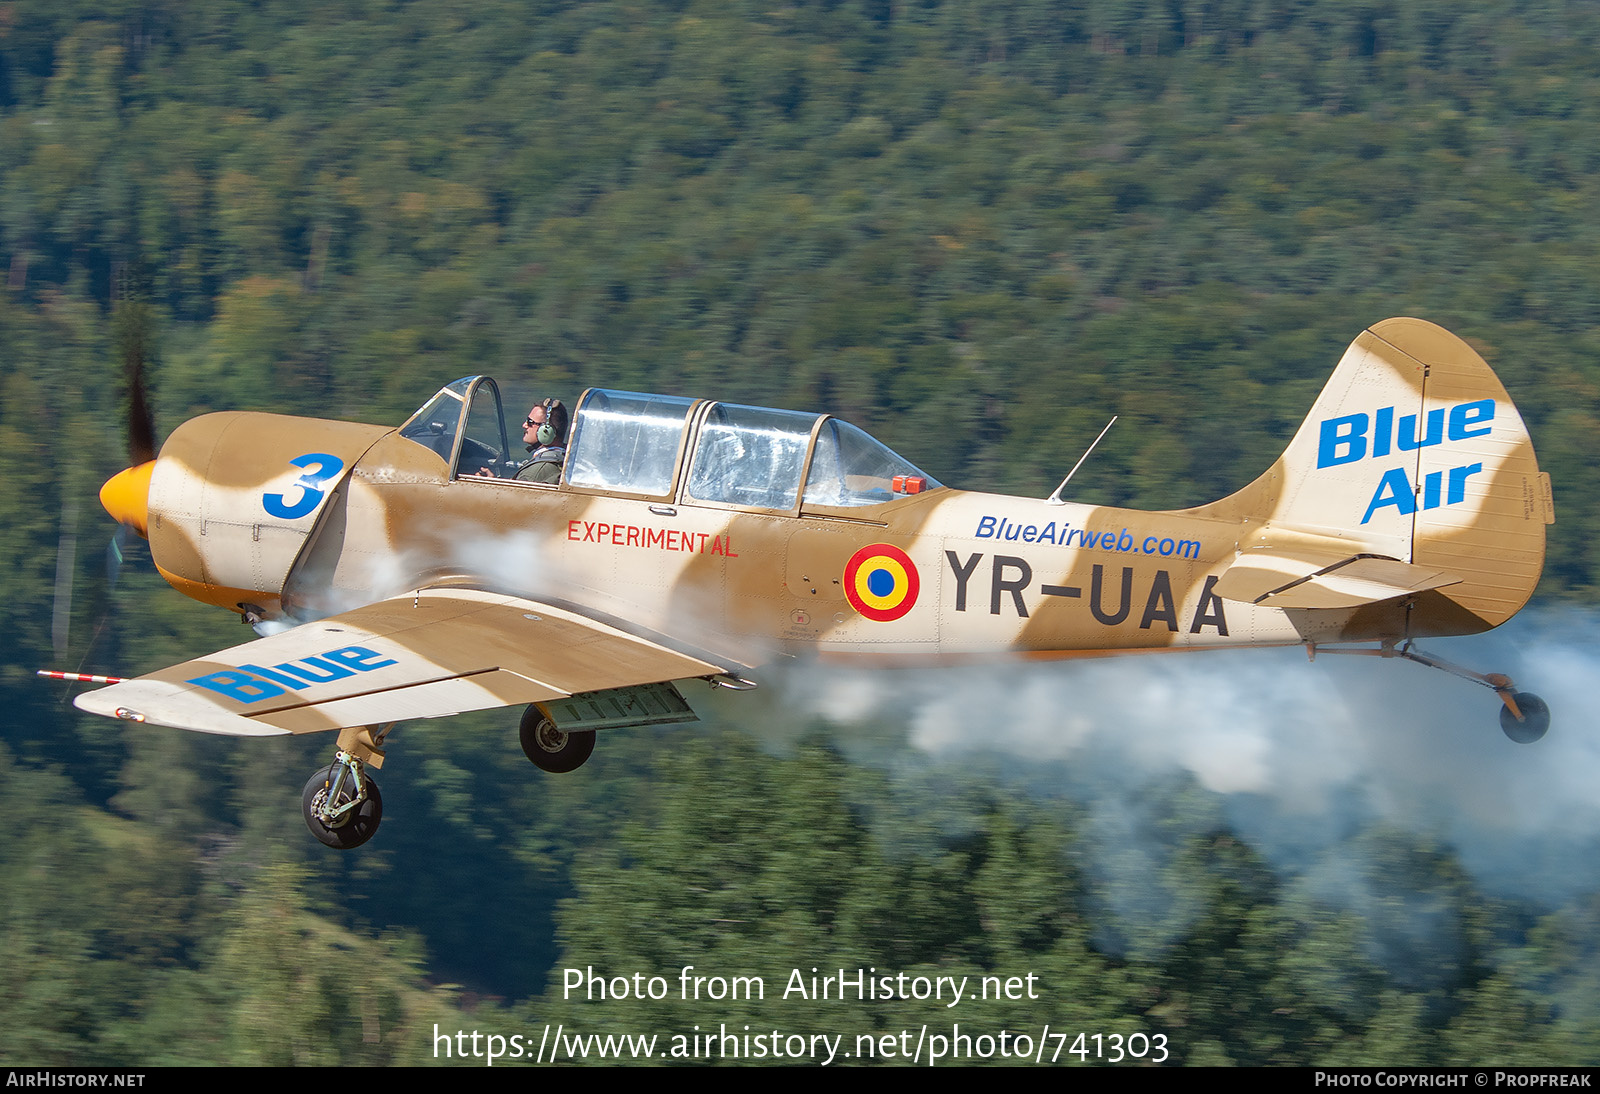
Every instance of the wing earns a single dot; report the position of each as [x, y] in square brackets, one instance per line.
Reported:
[437, 652]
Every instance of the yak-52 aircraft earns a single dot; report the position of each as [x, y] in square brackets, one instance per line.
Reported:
[404, 573]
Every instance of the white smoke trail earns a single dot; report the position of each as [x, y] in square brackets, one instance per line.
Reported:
[1300, 756]
[506, 560]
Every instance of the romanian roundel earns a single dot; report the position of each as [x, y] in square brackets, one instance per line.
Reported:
[881, 582]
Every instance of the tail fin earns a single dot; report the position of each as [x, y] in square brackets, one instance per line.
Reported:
[1413, 452]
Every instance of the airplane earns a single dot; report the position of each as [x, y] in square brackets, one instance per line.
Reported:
[399, 574]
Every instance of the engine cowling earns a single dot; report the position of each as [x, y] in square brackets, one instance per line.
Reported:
[229, 503]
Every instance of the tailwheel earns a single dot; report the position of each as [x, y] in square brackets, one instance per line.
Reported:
[342, 805]
[1525, 717]
[549, 747]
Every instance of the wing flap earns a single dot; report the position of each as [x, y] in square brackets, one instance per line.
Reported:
[430, 654]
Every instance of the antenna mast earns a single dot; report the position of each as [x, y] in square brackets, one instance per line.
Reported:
[1055, 499]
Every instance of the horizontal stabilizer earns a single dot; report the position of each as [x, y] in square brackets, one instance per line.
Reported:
[1305, 579]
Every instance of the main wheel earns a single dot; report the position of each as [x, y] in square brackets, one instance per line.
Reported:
[549, 748]
[1535, 718]
[353, 827]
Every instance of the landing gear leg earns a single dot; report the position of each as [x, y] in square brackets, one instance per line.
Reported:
[1524, 718]
[341, 803]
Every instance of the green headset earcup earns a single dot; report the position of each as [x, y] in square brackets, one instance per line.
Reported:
[546, 433]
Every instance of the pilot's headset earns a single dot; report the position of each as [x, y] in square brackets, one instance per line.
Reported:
[555, 423]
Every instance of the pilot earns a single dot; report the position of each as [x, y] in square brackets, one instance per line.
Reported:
[545, 433]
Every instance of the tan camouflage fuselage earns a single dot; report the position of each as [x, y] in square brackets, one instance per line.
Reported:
[1442, 511]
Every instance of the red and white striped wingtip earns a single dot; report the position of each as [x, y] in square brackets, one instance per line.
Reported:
[82, 677]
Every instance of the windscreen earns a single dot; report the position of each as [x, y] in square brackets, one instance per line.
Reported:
[851, 468]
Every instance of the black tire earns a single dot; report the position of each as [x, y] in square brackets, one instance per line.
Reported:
[1535, 718]
[355, 827]
[549, 748]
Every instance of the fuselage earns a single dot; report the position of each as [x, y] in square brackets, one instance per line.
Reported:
[1408, 504]
[939, 574]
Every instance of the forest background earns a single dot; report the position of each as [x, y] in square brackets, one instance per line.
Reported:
[977, 229]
